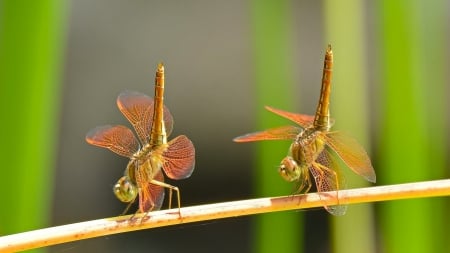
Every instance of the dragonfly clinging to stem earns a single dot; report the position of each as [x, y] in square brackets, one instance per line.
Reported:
[151, 153]
[315, 147]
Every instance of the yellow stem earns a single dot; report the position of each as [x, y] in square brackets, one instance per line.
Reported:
[95, 228]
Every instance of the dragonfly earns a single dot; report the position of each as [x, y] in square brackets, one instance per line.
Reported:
[150, 153]
[315, 148]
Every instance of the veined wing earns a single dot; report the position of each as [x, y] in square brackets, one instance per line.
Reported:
[151, 196]
[328, 177]
[179, 158]
[277, 133]
[353, 155]
[303, 120]
[119, 139]
[138, 108]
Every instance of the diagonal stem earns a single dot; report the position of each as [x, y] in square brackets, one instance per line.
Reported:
[95, 228]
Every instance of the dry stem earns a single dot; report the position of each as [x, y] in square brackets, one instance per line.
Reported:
[114, 225]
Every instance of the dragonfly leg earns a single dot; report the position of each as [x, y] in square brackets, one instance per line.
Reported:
[170, 198]
[128, 207]
[304, 183]
[171, 188]
[308, 183]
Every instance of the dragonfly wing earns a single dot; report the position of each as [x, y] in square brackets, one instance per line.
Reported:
[168, 121]
[353, 155]
[179, 158]
[151, 196]
[118, 139]
[278, 133]
[328, 177]
[138, 108]
[301, 119]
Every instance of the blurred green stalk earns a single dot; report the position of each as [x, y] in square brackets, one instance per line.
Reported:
[277, 232]
[344, 26]
[411, 125]
[31, 45]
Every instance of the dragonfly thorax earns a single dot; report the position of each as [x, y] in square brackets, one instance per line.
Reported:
[306, 147]
[149, 159]
[142, 152]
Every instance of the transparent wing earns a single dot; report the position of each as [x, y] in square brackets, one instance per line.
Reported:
[138, 109]
[118, 139]
[278, 133]
[151, 196]
[179, 158]
[353, 155]
[301, 119]
[328, 177]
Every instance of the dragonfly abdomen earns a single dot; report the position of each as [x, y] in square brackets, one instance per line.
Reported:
[158, 133]
[322, 118]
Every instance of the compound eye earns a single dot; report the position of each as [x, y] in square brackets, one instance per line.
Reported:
[288, 169]
[289, 164]
[282, 169]
[125, 190]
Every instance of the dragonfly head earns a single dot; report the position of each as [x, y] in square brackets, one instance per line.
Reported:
[289, 169]
[125, 190]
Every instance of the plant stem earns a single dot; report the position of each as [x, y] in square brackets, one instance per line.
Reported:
[114, 225]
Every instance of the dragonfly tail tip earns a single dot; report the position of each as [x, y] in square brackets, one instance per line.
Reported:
[160, 66]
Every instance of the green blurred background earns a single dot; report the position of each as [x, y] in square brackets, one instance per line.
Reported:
[63, 63]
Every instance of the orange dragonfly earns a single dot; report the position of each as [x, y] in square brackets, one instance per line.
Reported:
[313, 147]
[151, 153]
